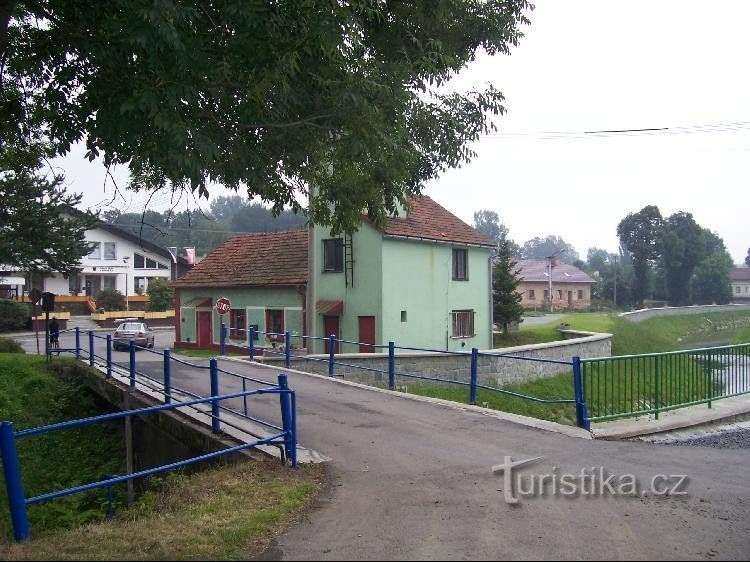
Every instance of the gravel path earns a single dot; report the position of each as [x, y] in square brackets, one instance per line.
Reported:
[727, 436]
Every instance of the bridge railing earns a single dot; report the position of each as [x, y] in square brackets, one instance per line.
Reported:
[628, 385]
[288, 343]
[18, 503]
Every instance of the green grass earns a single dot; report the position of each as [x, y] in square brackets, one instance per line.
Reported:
[31, 395]
[223, 513]
[623, 388]
[553, 388]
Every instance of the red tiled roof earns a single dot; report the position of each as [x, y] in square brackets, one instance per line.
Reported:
[267, 258]
[740, 274]
[537, 270]
[427, 219]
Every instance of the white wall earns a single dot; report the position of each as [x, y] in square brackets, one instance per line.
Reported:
[101, 269]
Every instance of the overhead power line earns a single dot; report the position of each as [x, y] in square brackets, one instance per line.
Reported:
[678, 130]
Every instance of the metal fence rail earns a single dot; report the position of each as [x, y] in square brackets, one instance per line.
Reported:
[18, 503]
[286, 340]
[628, 385]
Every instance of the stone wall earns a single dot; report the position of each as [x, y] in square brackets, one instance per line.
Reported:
[496, 367]
[646, 313]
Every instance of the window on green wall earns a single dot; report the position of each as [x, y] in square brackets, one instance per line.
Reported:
[460, 265]
[237, 324]
[333, 255]
[463, 323]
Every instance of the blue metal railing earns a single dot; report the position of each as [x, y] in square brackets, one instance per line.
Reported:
[473, 357]
[18, 503]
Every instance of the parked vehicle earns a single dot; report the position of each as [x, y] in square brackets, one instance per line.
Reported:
[133, 330]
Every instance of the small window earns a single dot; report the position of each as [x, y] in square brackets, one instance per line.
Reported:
[559, 294]
[460, 269]
[110, 251]
[96, 251]
[139, 261]
[546, 294]
[161, 265]
[532, 295]
[463, 323]
[333, 255]
[109, 282]
[580, 294]
[737, 289]
[237, 327]
[403, 316]
[150, 264]
[275, 321]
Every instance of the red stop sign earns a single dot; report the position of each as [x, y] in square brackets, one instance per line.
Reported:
[223, 306]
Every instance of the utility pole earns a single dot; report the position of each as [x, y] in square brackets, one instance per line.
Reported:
[549, 269]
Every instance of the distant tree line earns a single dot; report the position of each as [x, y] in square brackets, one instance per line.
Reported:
[204, 230]
[671, 260]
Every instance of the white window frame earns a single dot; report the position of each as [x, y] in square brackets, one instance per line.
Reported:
[112, 245]
[96, 251]
[462, 322]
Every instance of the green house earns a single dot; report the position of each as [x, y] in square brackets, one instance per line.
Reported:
[423, 280]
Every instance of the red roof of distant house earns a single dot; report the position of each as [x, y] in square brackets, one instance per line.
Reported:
[428, 220]
[740, 274]
[267, 258]
[538, 270]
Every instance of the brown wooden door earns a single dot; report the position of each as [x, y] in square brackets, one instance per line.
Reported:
[366, 334]
[331, 326]
[205, 338]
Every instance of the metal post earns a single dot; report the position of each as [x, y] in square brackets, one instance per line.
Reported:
[78, 342]
[251, 344]
[391, 366]
[287, 349]
[331, 353]
[91, 348]
[223, 342]
[474, 368]
[13, 483]
[288, 422]
[215, 423]
[710, 383]
[244, 398]
[167, 376]
[109, 356]
[657, 387]
[582, 413]
[132, 363]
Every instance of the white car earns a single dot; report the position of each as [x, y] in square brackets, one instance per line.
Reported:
[133, 330]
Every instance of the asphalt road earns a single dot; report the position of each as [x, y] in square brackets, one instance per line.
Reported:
[414, 480]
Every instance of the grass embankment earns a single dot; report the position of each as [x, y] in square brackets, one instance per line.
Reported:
[31, 396]
[221, 513]
[228, 513]
[624, 389]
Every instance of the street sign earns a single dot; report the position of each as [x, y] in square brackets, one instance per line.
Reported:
[223, 306]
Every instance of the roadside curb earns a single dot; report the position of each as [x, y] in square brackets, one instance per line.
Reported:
[723, 410]
[516, 419]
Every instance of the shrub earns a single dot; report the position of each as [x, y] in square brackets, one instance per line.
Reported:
[14, 316]
[161, 295]
[110, 299]
[8, 345]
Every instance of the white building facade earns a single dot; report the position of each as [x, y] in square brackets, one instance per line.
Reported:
[118, 260]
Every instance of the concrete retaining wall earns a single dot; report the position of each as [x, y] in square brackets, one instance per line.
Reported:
[646, 313]
[492, 369]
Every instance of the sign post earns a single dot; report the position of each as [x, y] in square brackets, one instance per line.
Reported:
[223, 306]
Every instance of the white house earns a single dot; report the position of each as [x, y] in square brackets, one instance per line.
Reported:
[118, 260]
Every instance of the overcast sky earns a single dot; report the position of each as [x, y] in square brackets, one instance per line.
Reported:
[597, 65]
